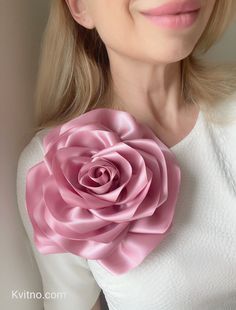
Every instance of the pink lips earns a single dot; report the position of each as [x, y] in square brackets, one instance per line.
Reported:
[174, 8]
[174, 14]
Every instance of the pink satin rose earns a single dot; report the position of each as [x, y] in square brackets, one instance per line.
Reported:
[106, 190]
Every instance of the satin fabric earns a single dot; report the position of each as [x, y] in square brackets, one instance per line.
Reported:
[106, 190]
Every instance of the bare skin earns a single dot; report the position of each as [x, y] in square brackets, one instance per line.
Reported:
[145, 61]
[170, 123]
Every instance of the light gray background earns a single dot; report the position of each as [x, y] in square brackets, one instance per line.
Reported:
[21, 26]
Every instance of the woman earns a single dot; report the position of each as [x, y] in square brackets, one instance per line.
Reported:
[121, 55]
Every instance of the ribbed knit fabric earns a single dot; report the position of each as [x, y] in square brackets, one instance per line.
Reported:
[194, 268]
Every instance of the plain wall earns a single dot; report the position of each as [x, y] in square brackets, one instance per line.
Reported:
[21, 26]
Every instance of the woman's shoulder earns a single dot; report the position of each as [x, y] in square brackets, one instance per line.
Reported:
[230, 126]
[225, 116]
[224, 137]
[33, 150]
[31, 154]
[41, 134]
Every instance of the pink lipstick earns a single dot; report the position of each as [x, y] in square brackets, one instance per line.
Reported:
[174, 14]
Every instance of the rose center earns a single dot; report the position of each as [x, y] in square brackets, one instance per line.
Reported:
[99, 177]
[99, 174]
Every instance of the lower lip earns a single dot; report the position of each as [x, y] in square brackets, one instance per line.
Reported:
[174, 21]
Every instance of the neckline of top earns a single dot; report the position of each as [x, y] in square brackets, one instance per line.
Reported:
[175, 147]
[188, 138]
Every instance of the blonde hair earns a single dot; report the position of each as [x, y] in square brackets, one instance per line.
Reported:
[74, 75]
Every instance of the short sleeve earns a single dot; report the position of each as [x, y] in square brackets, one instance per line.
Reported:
[63, 272]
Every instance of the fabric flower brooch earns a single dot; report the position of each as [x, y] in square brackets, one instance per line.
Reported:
[106, 189]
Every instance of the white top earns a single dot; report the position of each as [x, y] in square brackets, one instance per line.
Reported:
[194, 268]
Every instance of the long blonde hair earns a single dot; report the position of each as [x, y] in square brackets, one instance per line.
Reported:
[74, 75]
